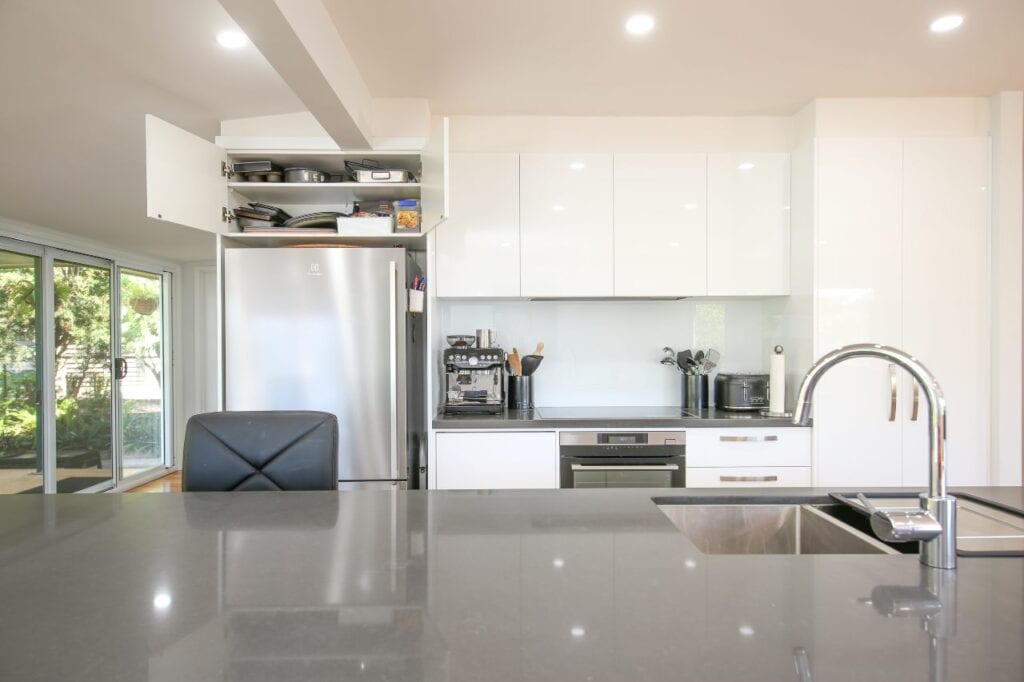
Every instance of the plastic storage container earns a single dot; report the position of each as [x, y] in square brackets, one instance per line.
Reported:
[407, 215]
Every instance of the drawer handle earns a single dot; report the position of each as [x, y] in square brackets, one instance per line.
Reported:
[637, 467]
[892, 392]
[748, 439]
[748, 479]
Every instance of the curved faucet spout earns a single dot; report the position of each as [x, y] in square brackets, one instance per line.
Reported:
[940, 551]
[930, 387]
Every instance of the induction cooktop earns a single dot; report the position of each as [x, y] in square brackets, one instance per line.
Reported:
[614, 413]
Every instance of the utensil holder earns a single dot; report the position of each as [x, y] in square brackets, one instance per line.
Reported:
[520, 393]
[695, 392]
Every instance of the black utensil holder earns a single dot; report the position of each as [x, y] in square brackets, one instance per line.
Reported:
[695, 392]
[520, 393]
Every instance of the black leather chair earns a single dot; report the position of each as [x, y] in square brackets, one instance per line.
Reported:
[260, 451]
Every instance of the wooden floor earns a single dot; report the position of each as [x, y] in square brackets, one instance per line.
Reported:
[171, 483]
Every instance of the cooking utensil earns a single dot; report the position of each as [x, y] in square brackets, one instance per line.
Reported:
[530, 363]
[683, 358]
[669, 361]
[244, 222]
[382, 175]
[274, 211]
[316, 219]
[304, 175]
[539, 350]
[461, 340]
[515, 363]
[713, 355]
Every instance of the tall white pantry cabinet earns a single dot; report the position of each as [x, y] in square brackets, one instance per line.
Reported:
[901, 257]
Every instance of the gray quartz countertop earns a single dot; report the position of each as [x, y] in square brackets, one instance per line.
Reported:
[458, 586]
[626, 418]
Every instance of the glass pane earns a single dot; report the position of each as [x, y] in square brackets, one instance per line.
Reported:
[82, 345]
[142, 394]
[21, 452]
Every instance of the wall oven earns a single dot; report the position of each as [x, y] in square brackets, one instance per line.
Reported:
[622, 459]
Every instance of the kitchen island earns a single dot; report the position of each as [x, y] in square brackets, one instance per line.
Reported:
[473, 585]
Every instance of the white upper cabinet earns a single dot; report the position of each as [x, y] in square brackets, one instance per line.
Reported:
[945, 286]
[566, 225]
[186, 180]
[857, 428]
[660, 224]
[477, 248]
[189, 180]
[748, 224]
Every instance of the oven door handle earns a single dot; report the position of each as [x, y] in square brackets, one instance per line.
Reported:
[627, 467]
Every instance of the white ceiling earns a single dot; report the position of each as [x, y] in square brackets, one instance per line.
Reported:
[704, 57]
[78, 78]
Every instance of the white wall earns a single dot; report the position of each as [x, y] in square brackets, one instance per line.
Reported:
[607, 352]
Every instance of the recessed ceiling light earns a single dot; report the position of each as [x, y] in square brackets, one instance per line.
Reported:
[745, 166]
[639, 24]
[577, 165]
[232, 39]
[946, 23]
[577, 631]
[746, 631]
[161, 601]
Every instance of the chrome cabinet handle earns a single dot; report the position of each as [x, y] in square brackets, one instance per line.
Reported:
[892, 392]
[748, 439]
[393, 365]
[748, 479]
[637, 467]
[914, 403]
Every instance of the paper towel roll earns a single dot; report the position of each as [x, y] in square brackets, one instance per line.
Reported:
[777, 382]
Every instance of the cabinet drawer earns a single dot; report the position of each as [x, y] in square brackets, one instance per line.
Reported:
[748, 477]
[779, 447]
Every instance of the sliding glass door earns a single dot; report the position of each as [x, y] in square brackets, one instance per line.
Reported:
[140, 372]
[83, 386]
[83, 394]
[21, 442]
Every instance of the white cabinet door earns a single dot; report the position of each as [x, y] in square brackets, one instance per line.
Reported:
[945, 284]
[748, 224]
[660, 224]
[857, 431]
[490, 460]
[435, 188]
[566, 224]
[477, 248]
[185, 182]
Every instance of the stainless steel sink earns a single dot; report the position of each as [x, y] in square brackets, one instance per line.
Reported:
[981, 529]
[769, 529]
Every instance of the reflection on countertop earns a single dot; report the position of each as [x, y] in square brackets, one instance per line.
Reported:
[517, 585]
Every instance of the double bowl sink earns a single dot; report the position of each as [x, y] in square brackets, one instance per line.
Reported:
[839, 528]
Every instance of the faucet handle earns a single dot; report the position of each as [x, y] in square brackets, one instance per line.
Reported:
[904, 526]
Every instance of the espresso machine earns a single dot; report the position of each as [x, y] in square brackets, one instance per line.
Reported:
[474, 380]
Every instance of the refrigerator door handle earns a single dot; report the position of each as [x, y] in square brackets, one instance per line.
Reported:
[393, 360]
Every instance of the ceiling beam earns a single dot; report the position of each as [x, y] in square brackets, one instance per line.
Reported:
[300, 41]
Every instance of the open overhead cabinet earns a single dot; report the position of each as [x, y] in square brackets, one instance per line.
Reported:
[189, 180]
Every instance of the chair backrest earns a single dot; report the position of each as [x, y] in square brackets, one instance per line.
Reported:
[260, 451]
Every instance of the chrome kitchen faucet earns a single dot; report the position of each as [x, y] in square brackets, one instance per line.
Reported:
[934, 525]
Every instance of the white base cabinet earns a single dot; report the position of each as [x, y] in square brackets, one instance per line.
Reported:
[490, 460]
[744, 458]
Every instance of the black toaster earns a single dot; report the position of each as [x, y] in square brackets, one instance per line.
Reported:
[741, 392]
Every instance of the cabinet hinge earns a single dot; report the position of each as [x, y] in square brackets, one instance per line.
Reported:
[226, 169]
[226, 216]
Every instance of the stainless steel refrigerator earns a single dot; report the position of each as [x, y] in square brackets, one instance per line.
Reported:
[329, 329]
